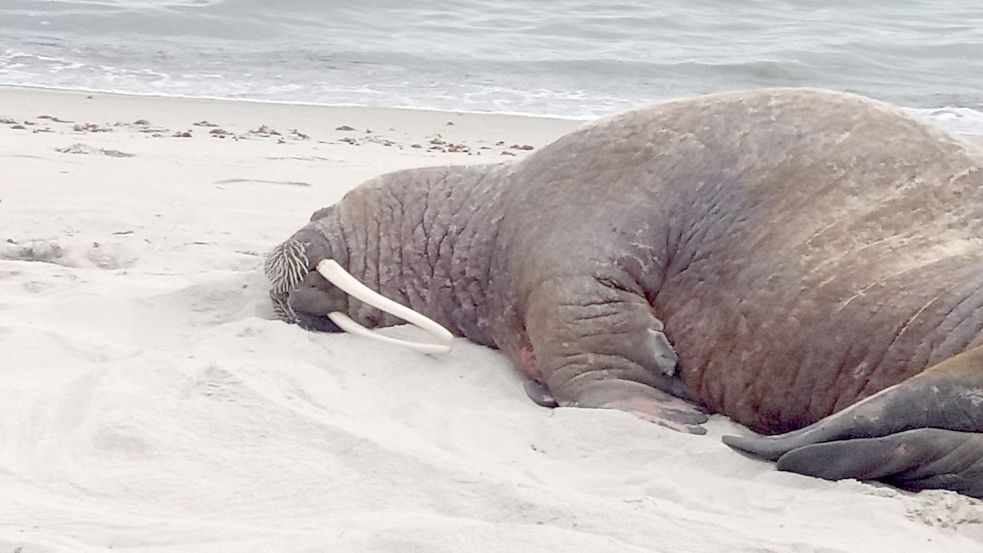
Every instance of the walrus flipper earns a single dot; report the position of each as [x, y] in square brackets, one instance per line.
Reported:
[540, 394]
[607, 350]
[925, 458]
[926, 432]
[643, 401]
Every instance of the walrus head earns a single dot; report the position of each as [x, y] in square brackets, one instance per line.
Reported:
[299, 293]
[310, 288]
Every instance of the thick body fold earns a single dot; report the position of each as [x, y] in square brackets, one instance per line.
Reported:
[802, 250]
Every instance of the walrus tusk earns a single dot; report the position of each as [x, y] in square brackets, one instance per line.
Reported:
[335, 274]
[348, 325]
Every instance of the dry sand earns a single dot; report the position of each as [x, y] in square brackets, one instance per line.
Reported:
[148, 403]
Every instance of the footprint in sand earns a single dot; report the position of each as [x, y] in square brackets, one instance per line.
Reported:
[122, 440]
[84, 149]
[92, 255]
[218, 384]
[217, 300]
[35, 250]
[23, 547]
[946, 509]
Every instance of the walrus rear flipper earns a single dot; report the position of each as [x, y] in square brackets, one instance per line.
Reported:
[925, 458]
[540, 394]
[926, 432]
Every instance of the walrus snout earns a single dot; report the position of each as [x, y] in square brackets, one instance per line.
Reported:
[299, 294]
[313, 299]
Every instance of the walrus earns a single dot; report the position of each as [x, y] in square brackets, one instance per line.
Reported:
[806, 262]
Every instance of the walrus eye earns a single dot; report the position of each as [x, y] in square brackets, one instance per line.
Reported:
[335, 274]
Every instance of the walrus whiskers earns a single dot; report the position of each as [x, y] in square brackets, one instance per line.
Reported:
[286, 266]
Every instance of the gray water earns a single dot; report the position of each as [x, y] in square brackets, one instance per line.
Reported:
[570, 58]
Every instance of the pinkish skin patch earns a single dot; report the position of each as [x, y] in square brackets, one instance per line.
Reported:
[526, 359]
[659, 412]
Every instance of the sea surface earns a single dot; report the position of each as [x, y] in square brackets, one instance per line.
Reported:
[568, 58]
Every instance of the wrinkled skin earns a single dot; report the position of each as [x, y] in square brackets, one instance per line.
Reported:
[779, 256]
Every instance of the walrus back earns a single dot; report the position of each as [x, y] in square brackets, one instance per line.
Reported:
[809, 246]
[847, 258]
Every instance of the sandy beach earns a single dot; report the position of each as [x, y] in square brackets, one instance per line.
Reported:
[148, 401]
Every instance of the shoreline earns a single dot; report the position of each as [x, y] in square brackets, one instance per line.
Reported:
[18, 97]
[931, 115]
[324, 149]
[165, 97]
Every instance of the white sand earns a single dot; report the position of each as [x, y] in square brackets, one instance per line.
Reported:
[147, 402]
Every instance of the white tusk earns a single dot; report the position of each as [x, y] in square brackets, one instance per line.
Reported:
[335, 274]
[348, 325]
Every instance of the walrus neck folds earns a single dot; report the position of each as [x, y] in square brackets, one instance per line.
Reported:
[426, 243]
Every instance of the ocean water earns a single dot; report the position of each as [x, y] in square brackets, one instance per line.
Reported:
[568, 58]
